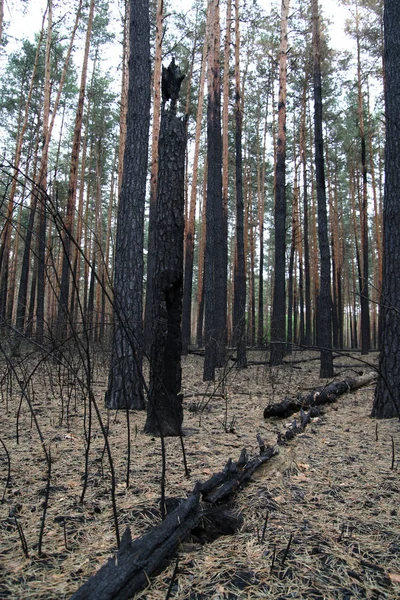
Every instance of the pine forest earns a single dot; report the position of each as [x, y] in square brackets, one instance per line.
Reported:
[199, 238]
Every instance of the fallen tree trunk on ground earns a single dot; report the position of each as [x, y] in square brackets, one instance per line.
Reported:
[122, 576]
[319, 396]
[127, 573]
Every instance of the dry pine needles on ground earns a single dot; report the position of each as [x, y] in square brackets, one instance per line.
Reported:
[321, 520]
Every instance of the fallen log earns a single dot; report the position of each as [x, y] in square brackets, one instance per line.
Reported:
[238, 476]
[129, 571]
[122, 576]
[322, 395]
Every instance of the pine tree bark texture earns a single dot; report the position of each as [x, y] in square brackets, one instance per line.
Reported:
[387, 392]
[215, 270]
[164, 409]
[324, 319]
[278, 319]
[364, 287]
[125, 387]
[239, 300]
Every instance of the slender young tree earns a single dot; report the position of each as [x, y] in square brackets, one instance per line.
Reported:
[125, 388]
[190, 222]
[324, 309]
[307, 269]
[73, 185]
[226, 167]
[23, 286]
[364, 290]
[278, 319]
[42, 182]
[151, 251]
[5, 244]
[387, 392]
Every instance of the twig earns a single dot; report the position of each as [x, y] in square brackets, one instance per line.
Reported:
[173, 577]
[265, 527]
[128, 434]
[392, 466]
[22, 538]
[9, 470]
[45, 503]
[273, 559]
[65, 534]
[284, 557]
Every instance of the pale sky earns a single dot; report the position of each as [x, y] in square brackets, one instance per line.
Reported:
[28, 24]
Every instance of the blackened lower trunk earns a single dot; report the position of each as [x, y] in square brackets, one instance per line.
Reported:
[215, 251]
[164, 409]
[364, 299]
[278, 319]
[387, 393]
[239, 297]
[324, 297]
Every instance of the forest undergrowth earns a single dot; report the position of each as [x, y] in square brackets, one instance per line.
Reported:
[320, 520]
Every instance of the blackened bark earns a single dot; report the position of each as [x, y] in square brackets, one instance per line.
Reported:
[387, 392]
[164, 409]
[364, 293]
[260, 324]
[324, 297]
[125, 384]
[318, 396]
[278, 318]
[239, 304]
[364, 299]
[291, 308]
[187, 290]
[239, 298]
[215, 252]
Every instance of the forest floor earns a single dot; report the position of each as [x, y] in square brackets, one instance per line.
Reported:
[333, 490]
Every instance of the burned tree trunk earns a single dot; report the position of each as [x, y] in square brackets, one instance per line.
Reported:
[322, 395]
[164, 410]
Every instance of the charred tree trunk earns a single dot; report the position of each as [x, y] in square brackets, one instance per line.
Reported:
[319, 396]
[164, 409]
[215, 270]
[387, 393]
[324, 296]
[278, 319]
[239, 305]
